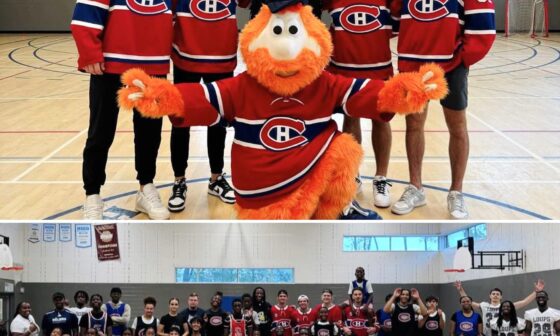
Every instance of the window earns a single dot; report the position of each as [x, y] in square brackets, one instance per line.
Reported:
[388, 243]
[478, 232]
[234, 275]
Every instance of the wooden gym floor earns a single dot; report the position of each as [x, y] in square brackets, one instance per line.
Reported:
[513, 116]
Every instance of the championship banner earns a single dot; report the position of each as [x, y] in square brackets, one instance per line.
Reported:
[107, 242]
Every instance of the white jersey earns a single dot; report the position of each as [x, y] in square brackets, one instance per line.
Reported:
[506, 329]
[79, 312]
[543, 323]
[489, 312]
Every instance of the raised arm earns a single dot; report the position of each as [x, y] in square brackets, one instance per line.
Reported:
[415, 294]
[462, 292]
[388, 308]
[539, 286]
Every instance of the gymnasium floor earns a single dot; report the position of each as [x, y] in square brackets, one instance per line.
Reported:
[514, 118]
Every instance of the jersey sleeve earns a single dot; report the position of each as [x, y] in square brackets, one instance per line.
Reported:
[358, 97]
[206, 104]
[88, 23]
[479, 30]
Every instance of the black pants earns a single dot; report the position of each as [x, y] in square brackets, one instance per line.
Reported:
[180, 136]
[103, 117]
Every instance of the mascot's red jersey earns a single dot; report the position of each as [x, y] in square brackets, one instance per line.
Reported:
[124, 34]
[361, 31]
[278, 139]
[448, 32]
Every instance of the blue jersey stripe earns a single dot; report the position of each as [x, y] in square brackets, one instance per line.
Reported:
[362, 68]
[90, 14]
[480, 21]
[205, 60]
[212, 95]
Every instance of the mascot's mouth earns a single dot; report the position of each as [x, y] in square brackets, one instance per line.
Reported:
[286, 73]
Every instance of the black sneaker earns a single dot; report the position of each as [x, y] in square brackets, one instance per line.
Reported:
[356, 212]
[176, 202]
[221, 188]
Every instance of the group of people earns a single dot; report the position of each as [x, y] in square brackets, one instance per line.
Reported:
[404, 313]
[200, 37]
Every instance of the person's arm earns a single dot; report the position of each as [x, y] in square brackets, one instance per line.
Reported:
[125, 318]
[388, 308]
[479, 326]
[415, 294]
[452, 328]
[479, 30]
[462, 292]
[160, 330]
[556, 327]
[74, 325]
[539, 286]
[421, 322]
[441, 315]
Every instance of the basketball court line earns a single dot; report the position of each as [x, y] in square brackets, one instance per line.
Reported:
[38, 163]
[427, 186]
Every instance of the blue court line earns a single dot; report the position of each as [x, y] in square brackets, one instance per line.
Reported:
[204, 179]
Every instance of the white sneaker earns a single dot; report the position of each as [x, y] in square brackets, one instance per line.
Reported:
[148, 202]
[411, 198]
[381, 197]
[456, 205]
[93, 207]
[359, 183]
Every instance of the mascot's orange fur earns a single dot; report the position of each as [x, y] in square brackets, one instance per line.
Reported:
[286, 53]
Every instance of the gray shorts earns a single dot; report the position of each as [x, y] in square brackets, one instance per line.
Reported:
[457, 81]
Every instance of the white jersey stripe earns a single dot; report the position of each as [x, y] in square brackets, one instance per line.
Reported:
[480, 32]
[93, 3]
[351, 65]
[86, 24]
[219, 97]
[443, 57]
[479, 11]
[136, 57]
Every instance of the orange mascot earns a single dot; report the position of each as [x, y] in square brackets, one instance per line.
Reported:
[288, 159]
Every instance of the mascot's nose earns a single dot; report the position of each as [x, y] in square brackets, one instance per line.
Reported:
[285, 49]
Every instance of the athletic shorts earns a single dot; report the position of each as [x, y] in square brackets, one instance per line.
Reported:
[457, 81]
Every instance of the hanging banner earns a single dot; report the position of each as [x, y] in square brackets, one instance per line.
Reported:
[107, 242]
[49, 232]
[65, 232]
[34, 234]
[83, 235]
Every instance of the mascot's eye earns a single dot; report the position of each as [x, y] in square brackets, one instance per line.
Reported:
[277, 30]
[293, 30]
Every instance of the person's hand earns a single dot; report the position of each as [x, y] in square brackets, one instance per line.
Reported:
[539, 285]
[347, 331]
[458, 285]
[397, 292]
[32, 328]
[439, 312]
[95, 69]
[414, 294]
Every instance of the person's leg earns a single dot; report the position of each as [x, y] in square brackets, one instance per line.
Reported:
[413, 196]
[381, 139]
[101, 133]
[454, 109]
[179, 149]
[216, 143]
[353, 127]
[147, 138]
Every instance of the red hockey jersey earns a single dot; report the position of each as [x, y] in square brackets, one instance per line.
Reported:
[335, 314]
[124, 34]
[282, 317]
[448, 32]
[357, 320]
[205, 38]
[277, 139]
[361, 31]
[303, 320]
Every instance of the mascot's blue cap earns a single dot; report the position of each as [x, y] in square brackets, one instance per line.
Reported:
[277, 5]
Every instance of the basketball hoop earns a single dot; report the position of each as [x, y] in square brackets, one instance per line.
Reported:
[461, 261]
[6, 258]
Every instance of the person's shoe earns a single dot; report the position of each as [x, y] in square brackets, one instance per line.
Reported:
[93, 207]
[148, 202]
[355, 212]
[411, 198]
[456, 205]
[381, 197]
[176, 201]
[359, 183]
[221, 188]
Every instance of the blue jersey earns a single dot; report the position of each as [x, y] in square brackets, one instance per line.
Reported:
[118, 311]
[63, 319]
[384, 320]
[467, 326]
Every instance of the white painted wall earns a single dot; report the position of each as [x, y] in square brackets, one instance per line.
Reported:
[150, 252]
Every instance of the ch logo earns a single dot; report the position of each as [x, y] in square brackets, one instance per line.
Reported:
[210, 10]
[147, 7]
[427, 10]
[360, 19]
[282, 133]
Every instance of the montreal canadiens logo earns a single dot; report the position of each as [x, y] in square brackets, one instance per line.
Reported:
[404, 317]
[147, 7]
[323, 332]
[282, 133]
[466, 326]
[432, 325]
[388, 323]
[216, 320]
[360, 19]
[427, 10]
[210, 10]
[357, 324]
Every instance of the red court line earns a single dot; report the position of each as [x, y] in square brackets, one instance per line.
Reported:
[167, 131]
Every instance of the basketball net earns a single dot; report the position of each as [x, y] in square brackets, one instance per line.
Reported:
[461, 261]
[7, 260]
